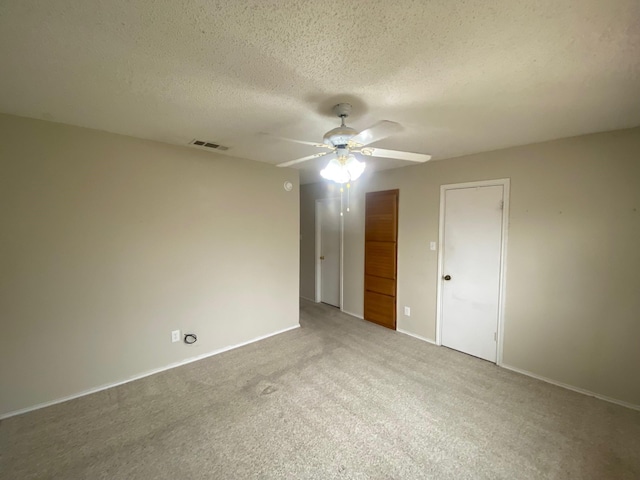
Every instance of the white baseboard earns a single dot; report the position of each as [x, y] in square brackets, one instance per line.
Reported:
[142, 375]
[424, 339]
[571, 387]
[544, 379]
[352, 314]
[309, 299]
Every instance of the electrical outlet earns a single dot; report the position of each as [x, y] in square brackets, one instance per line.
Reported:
[175, 336]
[407, 311]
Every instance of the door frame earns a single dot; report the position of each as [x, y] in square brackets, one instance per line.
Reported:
[318, 263]
[505, 183]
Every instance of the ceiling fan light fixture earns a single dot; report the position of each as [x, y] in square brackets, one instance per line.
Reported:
[335, 172]
[343, 169]
[354, 167]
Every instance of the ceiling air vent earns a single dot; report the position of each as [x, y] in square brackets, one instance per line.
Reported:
[205, 144]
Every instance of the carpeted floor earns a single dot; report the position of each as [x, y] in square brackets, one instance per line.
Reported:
[338, 398]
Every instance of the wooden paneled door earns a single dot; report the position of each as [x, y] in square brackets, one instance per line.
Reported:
[380, 257]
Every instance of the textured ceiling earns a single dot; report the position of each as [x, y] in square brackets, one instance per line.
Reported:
[460, 76]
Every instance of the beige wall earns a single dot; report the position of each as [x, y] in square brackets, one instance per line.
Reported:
[109, 242]
[573, 267]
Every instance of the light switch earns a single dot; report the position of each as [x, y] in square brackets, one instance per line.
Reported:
[432, 246]
[407, 311]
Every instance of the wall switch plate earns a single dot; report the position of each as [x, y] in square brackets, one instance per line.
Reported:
[407, 311]
[432, 246]
[175, 336]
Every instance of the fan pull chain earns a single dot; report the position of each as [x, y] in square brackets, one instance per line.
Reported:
[348, 196]
[341, 199]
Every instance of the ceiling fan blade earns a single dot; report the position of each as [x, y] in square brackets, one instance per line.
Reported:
[374, 133]
[303, 159]
[408, 156]
[301, 142]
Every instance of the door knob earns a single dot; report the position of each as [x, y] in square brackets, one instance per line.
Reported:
[447, 277]
[322, 257]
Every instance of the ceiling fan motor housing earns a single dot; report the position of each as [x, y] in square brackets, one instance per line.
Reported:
[340, 136]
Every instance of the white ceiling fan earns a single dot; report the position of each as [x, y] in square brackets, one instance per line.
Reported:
[345, 143]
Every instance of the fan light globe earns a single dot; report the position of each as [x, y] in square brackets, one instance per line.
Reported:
[335, 172]
[354, 167]
[344, 171]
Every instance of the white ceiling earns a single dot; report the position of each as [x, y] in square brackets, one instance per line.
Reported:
[461, 76]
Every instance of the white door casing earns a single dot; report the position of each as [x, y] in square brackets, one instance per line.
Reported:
[473, 227]
[328, 251]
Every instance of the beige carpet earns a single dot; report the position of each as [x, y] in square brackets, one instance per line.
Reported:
[339, 398]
